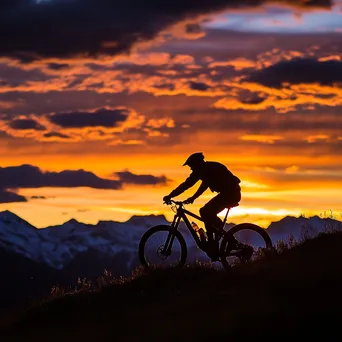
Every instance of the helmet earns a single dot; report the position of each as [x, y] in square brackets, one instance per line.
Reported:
[194, 159]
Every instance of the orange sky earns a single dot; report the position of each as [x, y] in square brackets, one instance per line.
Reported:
[266, 104]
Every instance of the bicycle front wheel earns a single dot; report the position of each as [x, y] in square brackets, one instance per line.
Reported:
[162, 246]
[244, 242]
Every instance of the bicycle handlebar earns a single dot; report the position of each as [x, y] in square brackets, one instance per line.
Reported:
[175, 202]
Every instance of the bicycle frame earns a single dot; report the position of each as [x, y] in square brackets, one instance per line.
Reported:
[182, 214]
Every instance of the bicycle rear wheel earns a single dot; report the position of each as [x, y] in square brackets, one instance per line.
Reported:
[162, 246]
[242, 243]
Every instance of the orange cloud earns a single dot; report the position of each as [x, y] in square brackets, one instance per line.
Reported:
[237, 64]
[126, 142]
[285, 99]
[76, 74]
[154, 133]
[292, 169]
[163, 122]
[269, 139]
[150, 58]
[330, 58]
[317, 137]
[132, 131]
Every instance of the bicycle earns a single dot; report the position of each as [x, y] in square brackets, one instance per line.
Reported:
[230, 246]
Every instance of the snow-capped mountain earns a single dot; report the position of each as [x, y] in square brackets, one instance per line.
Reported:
[19, 236]
[301, 227]
[58, 246]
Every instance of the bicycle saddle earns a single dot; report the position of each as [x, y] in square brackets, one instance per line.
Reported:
[232, 205]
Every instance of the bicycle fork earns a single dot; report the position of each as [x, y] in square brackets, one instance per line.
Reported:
[171, 237]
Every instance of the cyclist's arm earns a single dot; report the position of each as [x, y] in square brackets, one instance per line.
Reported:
[188, 183]
[200, 190]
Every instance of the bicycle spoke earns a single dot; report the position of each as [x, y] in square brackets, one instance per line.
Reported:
[245, 244]
[157, 253]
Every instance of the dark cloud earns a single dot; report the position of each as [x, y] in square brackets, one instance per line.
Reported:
[253, 99]
[128, 177]
[58, 66]
[26, 124]
[101, 117]
[89, 26]
[165, 86]
[28, 176]
[193, 28]
[56, 135]
[10, 197]
[198, 86]
[299, 70]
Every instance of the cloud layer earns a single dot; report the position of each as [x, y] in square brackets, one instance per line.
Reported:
[91, 27]
[100, 118]
[29, 176]
[299, 70]
[128, 177]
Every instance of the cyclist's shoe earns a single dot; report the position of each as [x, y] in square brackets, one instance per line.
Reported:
[213, 250]
[245, 251]
[235, 244]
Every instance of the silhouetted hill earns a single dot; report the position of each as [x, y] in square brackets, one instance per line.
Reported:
[293, 295]
[23, 279]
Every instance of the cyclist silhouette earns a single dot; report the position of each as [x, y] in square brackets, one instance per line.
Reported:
[217, 178]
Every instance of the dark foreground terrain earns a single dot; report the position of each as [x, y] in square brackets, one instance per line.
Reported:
[294, 295]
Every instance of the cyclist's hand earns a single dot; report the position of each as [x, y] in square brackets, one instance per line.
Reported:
[167, 199]
[190, 200]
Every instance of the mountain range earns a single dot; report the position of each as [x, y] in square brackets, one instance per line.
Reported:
[33, 260]
[56, 246]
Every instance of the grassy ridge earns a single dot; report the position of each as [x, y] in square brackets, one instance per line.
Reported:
[295, 294]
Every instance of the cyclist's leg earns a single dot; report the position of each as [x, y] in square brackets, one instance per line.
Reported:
[210, 210]
[209, 215]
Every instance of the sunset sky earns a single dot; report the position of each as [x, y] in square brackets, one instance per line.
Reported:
[101, 103]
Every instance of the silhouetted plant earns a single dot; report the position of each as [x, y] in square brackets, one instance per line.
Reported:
[329, 225]
[292, 242]
[281, 246]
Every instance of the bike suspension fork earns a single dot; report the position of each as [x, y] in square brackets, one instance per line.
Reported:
[171, 235]
[175, 222]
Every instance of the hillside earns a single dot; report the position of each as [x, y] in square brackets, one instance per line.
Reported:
[293, 295]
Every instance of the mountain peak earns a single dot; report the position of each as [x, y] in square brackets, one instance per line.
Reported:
[7, 213]
[146, 219]
[9, 217]
[289, 219]
[72, 221]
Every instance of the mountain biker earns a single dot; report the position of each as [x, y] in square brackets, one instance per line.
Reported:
[217, 178]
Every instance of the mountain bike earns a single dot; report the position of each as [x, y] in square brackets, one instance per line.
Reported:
[167, 245]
